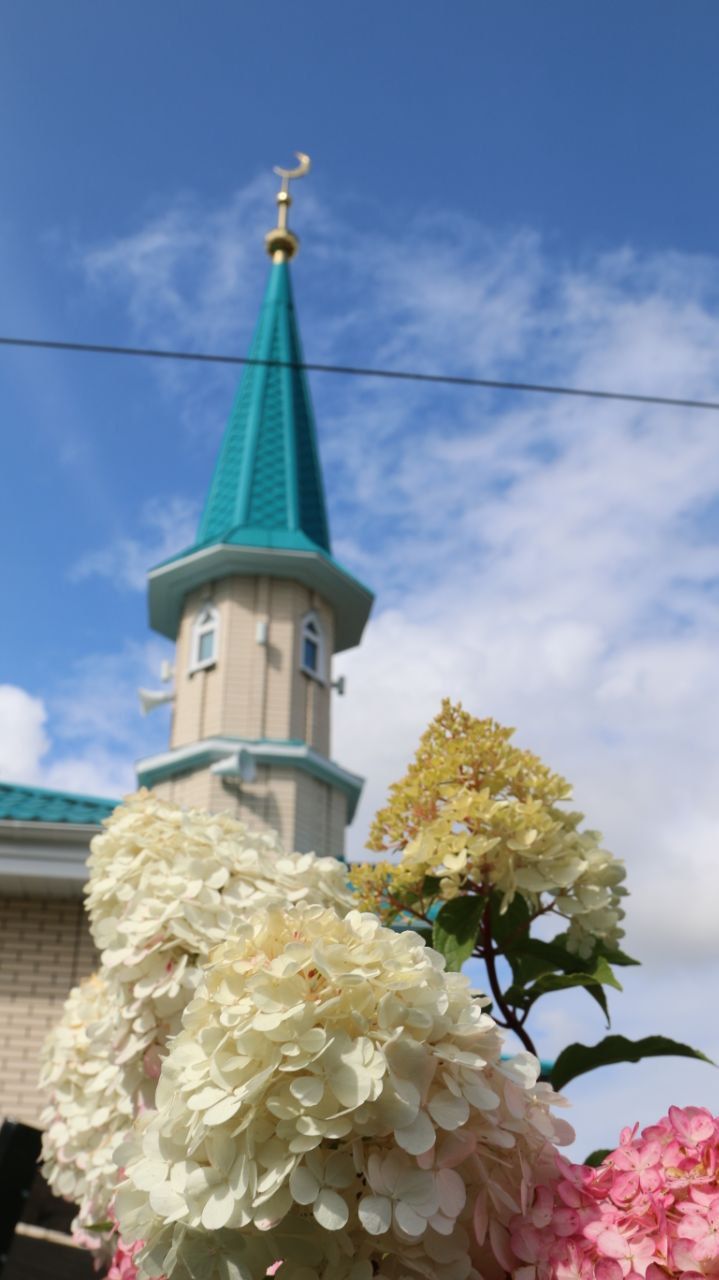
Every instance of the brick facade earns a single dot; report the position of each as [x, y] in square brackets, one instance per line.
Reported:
[253, 691]
[45, 949]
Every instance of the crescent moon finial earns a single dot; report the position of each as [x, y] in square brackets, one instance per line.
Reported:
[282, 244]
[299, 172]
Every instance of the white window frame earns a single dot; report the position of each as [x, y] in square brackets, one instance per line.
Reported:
[312, 625]
[207, 621]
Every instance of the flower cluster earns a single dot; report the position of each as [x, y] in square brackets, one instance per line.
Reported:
[336, 1100]
[166, 886]
[651, 1209]
[93, 1101]
[475, 813]
[162, 877]
[123, 1265]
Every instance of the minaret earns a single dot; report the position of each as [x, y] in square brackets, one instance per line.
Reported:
[258, 605]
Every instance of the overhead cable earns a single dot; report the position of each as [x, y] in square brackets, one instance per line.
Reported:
[358, 371]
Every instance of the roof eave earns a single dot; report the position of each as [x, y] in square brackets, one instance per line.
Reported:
[169, 584]
[210, 752]
[44, 859]
[30, 829]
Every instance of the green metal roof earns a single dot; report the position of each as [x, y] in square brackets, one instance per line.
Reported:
[265, 511]
[37, 804]
[268, 477]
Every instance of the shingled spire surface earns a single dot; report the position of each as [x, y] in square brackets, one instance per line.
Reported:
[267, 487]
[265, 514]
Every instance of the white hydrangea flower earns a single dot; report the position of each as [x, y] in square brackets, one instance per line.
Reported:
[94, 1100]
[161, 875]
[166, 886]
[330, 1076]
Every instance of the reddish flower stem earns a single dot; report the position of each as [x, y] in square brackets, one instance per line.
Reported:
[510, 1018]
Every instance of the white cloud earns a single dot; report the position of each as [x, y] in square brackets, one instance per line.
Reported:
[97, 700]
[87, 733]
[94, 772]
[170, 525]
[23, 737]
[552, 562]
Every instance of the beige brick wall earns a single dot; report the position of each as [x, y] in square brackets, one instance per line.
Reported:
[309, 815]
[45, 949]
[268, 804]
[321, 816]
[253, 690]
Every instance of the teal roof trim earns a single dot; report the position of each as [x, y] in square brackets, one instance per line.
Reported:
[38, 804]
[276, 554]
[285, 753]
[268, 476]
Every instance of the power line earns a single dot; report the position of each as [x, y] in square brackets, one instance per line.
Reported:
[357, 371]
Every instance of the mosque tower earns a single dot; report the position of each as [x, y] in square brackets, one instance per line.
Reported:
[258, 605]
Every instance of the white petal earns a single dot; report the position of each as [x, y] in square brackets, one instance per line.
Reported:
[218, 1209]
[480, 1095]
[418, 1187]
[448, 1111]
[418, 1136]
[409, 1221]
[205, 1098]
[331, 1210]
[351, 1084]
[452, 1192]
[273, 1210]
[445, 1226]
[223, 1111]
[375, 1214]
[523, 1069]
[308, 1090]
[303, 1185]
[147, 1173]
[167, 1203]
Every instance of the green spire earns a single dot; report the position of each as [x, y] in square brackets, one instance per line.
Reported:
[265, 512]
[267, 488]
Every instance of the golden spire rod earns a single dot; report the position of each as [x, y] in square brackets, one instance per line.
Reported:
[281, 243]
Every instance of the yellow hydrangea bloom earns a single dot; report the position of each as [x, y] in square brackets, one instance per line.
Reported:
[476, 813]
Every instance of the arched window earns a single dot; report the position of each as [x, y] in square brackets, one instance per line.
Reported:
[204, 638]
[312, 647]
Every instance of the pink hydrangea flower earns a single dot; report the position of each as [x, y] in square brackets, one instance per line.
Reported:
[650, 1211]
[123, 1265]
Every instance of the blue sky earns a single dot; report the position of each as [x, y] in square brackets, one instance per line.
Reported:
[513, 190]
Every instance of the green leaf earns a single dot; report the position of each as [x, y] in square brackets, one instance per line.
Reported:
[600, 976]
[576, 1059]
[592, 980]
[613, 954]
[539, 957]
[456, 928]
[537, 961]
[510, 928]
[597, 993]
[602, 973]
[595, 1158]
[430, 886]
